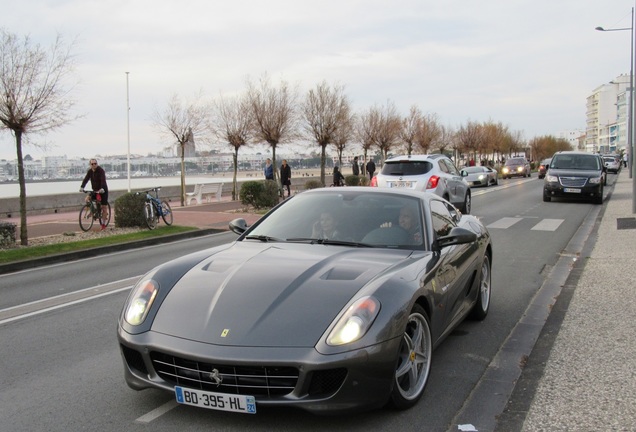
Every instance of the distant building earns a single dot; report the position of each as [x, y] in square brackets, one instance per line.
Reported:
[606, 117]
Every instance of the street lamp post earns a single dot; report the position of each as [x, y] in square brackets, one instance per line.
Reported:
[630, 117]
[128, 130]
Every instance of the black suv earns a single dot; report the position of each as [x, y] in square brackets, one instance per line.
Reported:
[575, 174]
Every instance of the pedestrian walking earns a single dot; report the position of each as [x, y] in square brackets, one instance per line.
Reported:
[371, 168]
[269, 170]
[285, 177]
[356, 167]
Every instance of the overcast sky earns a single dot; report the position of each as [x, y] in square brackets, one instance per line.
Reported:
[529, 64]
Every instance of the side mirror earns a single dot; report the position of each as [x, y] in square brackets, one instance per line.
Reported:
[456, 236]
[463, 173]
[239, 226]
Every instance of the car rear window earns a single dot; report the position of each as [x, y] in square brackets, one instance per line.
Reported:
[406, 168]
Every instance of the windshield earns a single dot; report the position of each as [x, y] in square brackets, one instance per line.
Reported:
[472, 170]
[355, 218]
[582, 162]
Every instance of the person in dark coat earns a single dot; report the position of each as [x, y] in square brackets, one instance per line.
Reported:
[356, 167]
[338, 178]
[285, 177]
[371, 168]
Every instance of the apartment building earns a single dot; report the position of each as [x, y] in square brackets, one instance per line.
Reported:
[607, 118]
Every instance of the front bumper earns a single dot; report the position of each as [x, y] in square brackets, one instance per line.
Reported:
[350, 381]
[557, 190]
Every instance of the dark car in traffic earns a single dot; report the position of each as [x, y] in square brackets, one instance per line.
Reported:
[516, 166]
[333, 301]
[575, 175]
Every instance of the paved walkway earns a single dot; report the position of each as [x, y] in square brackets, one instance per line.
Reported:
[581, 375]
[215, 215]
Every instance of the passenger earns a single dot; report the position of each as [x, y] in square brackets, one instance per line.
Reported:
[409, 222]
[325, 227]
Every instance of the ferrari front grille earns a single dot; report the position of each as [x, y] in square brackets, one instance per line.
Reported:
[266, 381]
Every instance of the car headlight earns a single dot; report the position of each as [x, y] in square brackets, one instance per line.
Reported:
[551, 178]
[596, 180]
[505, 170]
[481, 177]
[355, 322]
[141, 301]
[519, 169]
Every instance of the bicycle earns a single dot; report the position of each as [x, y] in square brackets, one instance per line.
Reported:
[91, 211]
[155, 207]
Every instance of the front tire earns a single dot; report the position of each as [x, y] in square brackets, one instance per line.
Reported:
[86, 217]
[166, 213]
[149, 216]
[480, 310]
[414, 360]
[546, 197]
[467, 204]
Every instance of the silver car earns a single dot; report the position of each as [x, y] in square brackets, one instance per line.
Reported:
[434, 173]
[480, 176]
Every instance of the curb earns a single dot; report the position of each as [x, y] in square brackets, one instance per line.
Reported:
[93, 252]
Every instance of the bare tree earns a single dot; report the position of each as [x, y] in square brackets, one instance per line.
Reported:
[388, 129]
[34, 96]
[429, 133]
[344, 134]
[274, 115]
[183, 122]
[411, 126]
[470, 138]
[367, 128]
[325, 110]
[231, 122]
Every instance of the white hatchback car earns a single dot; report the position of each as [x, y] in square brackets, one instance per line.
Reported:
[434, 173]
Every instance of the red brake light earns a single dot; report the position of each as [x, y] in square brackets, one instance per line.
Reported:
[374, 181]
[432, 182]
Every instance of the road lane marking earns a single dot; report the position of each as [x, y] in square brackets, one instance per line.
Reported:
[37, 307]
[157, 412]
[548, 225]
[504, 223]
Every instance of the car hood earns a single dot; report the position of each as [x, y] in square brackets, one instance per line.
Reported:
[270, 294]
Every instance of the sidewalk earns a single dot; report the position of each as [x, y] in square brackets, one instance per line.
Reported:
[213, 215]
[586, 381]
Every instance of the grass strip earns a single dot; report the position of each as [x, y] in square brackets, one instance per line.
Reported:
[30, 252]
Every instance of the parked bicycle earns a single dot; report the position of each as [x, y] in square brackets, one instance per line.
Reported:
[92, 211]
[155, 207]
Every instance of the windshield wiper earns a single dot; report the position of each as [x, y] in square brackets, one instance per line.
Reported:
[262, 238]
[328, 242]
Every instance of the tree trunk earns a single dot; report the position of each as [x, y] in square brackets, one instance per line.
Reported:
[234, 181]
[24, 238]
[183, 195]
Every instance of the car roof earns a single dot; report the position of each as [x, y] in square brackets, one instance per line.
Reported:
[417, 157]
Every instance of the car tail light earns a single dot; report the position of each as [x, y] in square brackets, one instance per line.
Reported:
[374, 181]
[432, 182]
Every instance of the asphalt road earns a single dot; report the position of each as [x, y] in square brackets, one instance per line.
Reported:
[62, 368]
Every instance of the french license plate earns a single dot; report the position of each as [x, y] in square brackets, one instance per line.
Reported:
[216, 401]
[406, 184]
[572, 190]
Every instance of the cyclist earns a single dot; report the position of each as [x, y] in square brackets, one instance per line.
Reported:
[97, 176]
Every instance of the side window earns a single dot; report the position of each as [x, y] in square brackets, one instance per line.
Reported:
[442, 220]
[442, 166]
[451, 167]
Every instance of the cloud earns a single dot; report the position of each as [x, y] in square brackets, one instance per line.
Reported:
[528, 64]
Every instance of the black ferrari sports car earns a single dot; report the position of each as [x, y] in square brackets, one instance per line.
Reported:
[333, 301]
